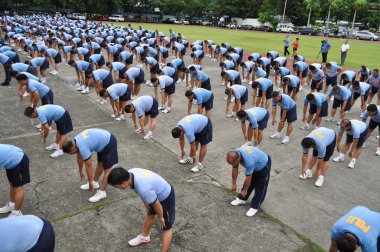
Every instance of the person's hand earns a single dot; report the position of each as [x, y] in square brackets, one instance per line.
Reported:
[274, 121]
[314, 121]
[233, 188]
[183, 154]
[243, 193]
[162, 222]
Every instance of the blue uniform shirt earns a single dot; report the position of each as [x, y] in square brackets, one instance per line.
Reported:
[10, 156]
[323, 137]
[318, 99]
[193, 124]
[362, 89]
[116, 90]
[81, 65]
[201, 76]
[301, 66]
[357, 127]
[232, 74]
[333, 71]
[363, 223]
[95, 58]
[343, 94]
[260, 73]
[238, 91]
[293, 80]
[264, 84]
[100, 74]
[34, 86]
[375, 81]
[164, 81]
[117, 66]
[317, 75]
[20, 67]
[254, 159]
[350, 75]
[375, 118]
[49, 112]
[325, 47]
[286, 102]
[142, 104]
[282, 71]
[201, 95]
[255, 115]
[92, 140]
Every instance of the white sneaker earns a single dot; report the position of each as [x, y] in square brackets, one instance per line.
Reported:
[53, 146]
[57, 153]
[197, 167]
[250, 83]
[238, 202]
[186, 160]
[19, 50]
[179, 81]
[233, 99]
[285, 140]
[161, 108]
[26, 94]
[56, 73]
[251, 212]
[15, 214]
[98, 196]
[332, 98]
[138, 130]
[339, 158]
[120, 118]
[113, 115]
[38, 126]
[305, 127]
[87, 186]
[377, 137]
[147, 82]
[329, 119]
[86, 90]
[139, 65]
[319, 181]
[348, 112]
[167, 110]
[377, 151]
[81, 88]
[102, 102]
[148, 135]
[307, 175]
[229, 115]
[6, 209]
[276, 135]
[352, 164]
[139, 240]
[338, 122]
[52, 71]
[247, 143]
[301, 88]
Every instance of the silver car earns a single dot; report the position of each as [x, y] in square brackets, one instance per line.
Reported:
[365, 35]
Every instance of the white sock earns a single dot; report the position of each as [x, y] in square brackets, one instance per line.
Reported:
[354, 159]
[11, 204]
[341, 154]
[320, 176]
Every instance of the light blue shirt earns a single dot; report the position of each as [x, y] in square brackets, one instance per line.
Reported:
[280, 60]
[201, 76]
[169, 71]
[264, 84]
[201, 95]
[142, 104]
[265, 61]
[125, 55]
[164, 81]
[357, 128]
[362, 89]
[363, 224]
[100, 74]
[375, 118]
[193, 124]
[301, 66]
[19, 234]
[38, 61]
[118, 66]
[10, 157]
[318, 99]
[116, 90]
[92, 140]
[20, 67]
[95, 58]
[350, 75]
[287, 41]
[30, 76]
[49, 112]
[375, 81]
[317, 75]
[176, 63]
[286, 102]
[238, 91]
[333, 71]
[259, 72]
[293, 80]
[232, 74]
[34, 86]
[254, 159]
[343, 94]
[282, 71]
[149, 185]
[81, 65]
[255, 115]
[323, 137]
[326, 47]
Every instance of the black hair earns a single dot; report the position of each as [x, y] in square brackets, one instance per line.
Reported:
[189, 93]
[295, 65]
[307, 142]
[117, 176]
[255, 84]
[14, 73]
[192, 68]
[372, 108]
[275, 93]
[21, 77]
[128, 108]
[192, 55]
[29, 111]
[242, 64]
[328, 64]
[102, 92]
[223, 73]
[241, 113]
[310, 97]
[346, 243]
[154, 79]
[356, 84]
[66, 147]
[336, 88]
[343, 76]
[312, 68]
[285, 79]
[70, 62]
[222, 64]
[176, 132]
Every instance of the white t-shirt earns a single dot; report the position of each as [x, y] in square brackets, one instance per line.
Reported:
[345, 47]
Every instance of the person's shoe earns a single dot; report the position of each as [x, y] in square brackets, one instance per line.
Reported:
[86, 90]
[6, 209]
[307, 175]
[233, 99]
[87, 185]
[138, 130]
[150, 85]
[4, 84]
[305, 127]
[229, 115]
[161, 107]
[113, 115]
[38, 126]
[339, 158]
[332, 98]
[301, 88]
[352, 163]
[57, 153]
[377, 151]
[197, 167]
[19, 50]
[338, 122]
[26, 94]
[348, 112]
[81, 88]
[329, 119]
[377, 137]
[247, 143]
[251, 212]
[139, 240]
[167, 110]
[148, 135]
[238, 202]
[102, 102]
[98, 196]
[15, 214]
[52, 71]
[285, 140]
[120, 118]
[319, 181]
[276, 135]
[147, 82]
[53, 146]
[250, 83]
[179, 81]
[140, 65]
[186, 160]
[55, 73]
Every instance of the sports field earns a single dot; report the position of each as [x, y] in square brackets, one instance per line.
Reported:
[360, 53]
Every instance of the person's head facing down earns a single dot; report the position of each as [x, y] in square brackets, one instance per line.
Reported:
[372, 109]
[233, 158]
[308, 143]
[347, 243]
[22, 79]
[312, 68]
[241, 114]
[189, 95]
[336, 89]
[119, 178]
[356, 84]
[276, 96]
[30, 112]
[286, 80]
[103, 93]
[345, 124]
[69, 147]
[155, 81]
[129, 109]
[177, 132]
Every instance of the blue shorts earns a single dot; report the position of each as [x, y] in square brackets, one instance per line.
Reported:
[263, 123]
[290, 88]
[238, 80]
[19, 175]
[30, 70]
[372, 125]
[97, 51]
[314, 85]
[89, 69]
[374, 90]
[48, 98]
[122, 73]
[329, 150]
[170, 89]
[140, 79]
[205, 136]
[108, 156]
[361, 140]
[357, 95]
[126, 96]
[183, 52]
[244, 98]
[165, 54]
[168, 207]
[339, 103]
[46, 240]
[304, 73]
[324, 109]
[174, 77]
[108, 81]
[291, 114]
[45, 65]
[86, 57]
[268, 94]
[153, 112]
[64, 124]
[333, 81]
[209, 104]
[101, 61]
[206, 84]
[57, 58]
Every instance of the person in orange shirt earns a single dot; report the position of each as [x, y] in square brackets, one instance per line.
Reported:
[295, 45]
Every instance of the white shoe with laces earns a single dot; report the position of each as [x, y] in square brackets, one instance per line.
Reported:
[305, 127]
[138, 130]
[352, 163]
[87, 185]
[338, 122]
[186, 160]
[86, 90]
[319, 181]
[161, 107]
[307, 175]
[53, 146]
[6, 209]
[166, 111]
[247, 143]
[81, 88]
[57, 153]
[197, 167]
[251, 212]
[98, 196]
[238, 202]
[148, 135]
[15, 213]
[113, 115]
[120, 118]
[139, 240]
[377, 151]
[339, 158]
[276, 135]
[285, 140]
[102, 102]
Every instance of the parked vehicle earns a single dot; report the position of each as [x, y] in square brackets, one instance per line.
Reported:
[117, 18]
[181, 22]
[168, 21]
[339, 33]
[365, 35]
[206, 23]
[264, 28]
[285, 27]
[231, 26]
[99, 18]
[307, 31]
[246, 27]
[77, 16]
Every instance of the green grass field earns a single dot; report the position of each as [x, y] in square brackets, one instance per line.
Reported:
[360, 53]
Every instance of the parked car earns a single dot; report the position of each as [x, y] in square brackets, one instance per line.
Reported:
[339, 33]
[365, 35]
[246, 27]
[307, 31]
[181, 22]
[264, 28]
[285, 27]
[77, 16]
[168, 21]
[99, 18]
[231, 26]
[117, 18]
[206, 23]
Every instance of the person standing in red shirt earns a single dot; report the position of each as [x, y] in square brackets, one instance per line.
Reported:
[295, 45]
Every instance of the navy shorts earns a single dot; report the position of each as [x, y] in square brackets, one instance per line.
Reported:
[155, 69]
[205, 136]
[324, 109]
[363, 77]
[108, 81]
[170, 89]
[339, 103]
[374, 90]
[291, 115]
[64, 124]
[30, 70]
[126, 96]
[314, 85]
[153, 112]
[97, 51]
[129, 61]
[357, 95]
[206, 84]
[46, 240]
[238, 80]
[140, 79]
[89, 69]
[45, 65]
[361, 140]
[19, 175]
[183, 52]
[48, 98]
[209, 104]
[86, 57]
[168, 207]
[290, 88]
[201, 56]
[165, 54]
[57, 58]
[333, 81]
[329, 150]
[304, 73]
[372, 125]
[101, 61]
[174, 77]
[268, 94]
[263, 123]
[244, 98]
[122, 73]
[108, 156]
[346, 82]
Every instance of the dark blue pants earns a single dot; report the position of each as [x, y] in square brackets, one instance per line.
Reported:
[259, 183]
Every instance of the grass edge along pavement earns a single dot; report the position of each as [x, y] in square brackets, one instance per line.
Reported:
[360, 53]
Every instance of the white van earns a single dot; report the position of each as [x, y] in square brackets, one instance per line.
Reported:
[117, 18]
[285, 27]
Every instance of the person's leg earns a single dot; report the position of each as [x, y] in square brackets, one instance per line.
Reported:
[58, 139]
[289, 129]
[153, 124]
[325, 167]
[260, 137]
[148, 224]
[146, 120]
[333, 111]
[104, 184]
[167, 237]
[170, 100]
[345, 148]
[357, 152]
[261, 182]
[18, 196]
[202, 152]
[250, 134]
[98, 171]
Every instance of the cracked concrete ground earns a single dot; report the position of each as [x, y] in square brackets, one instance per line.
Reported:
[205, 220]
